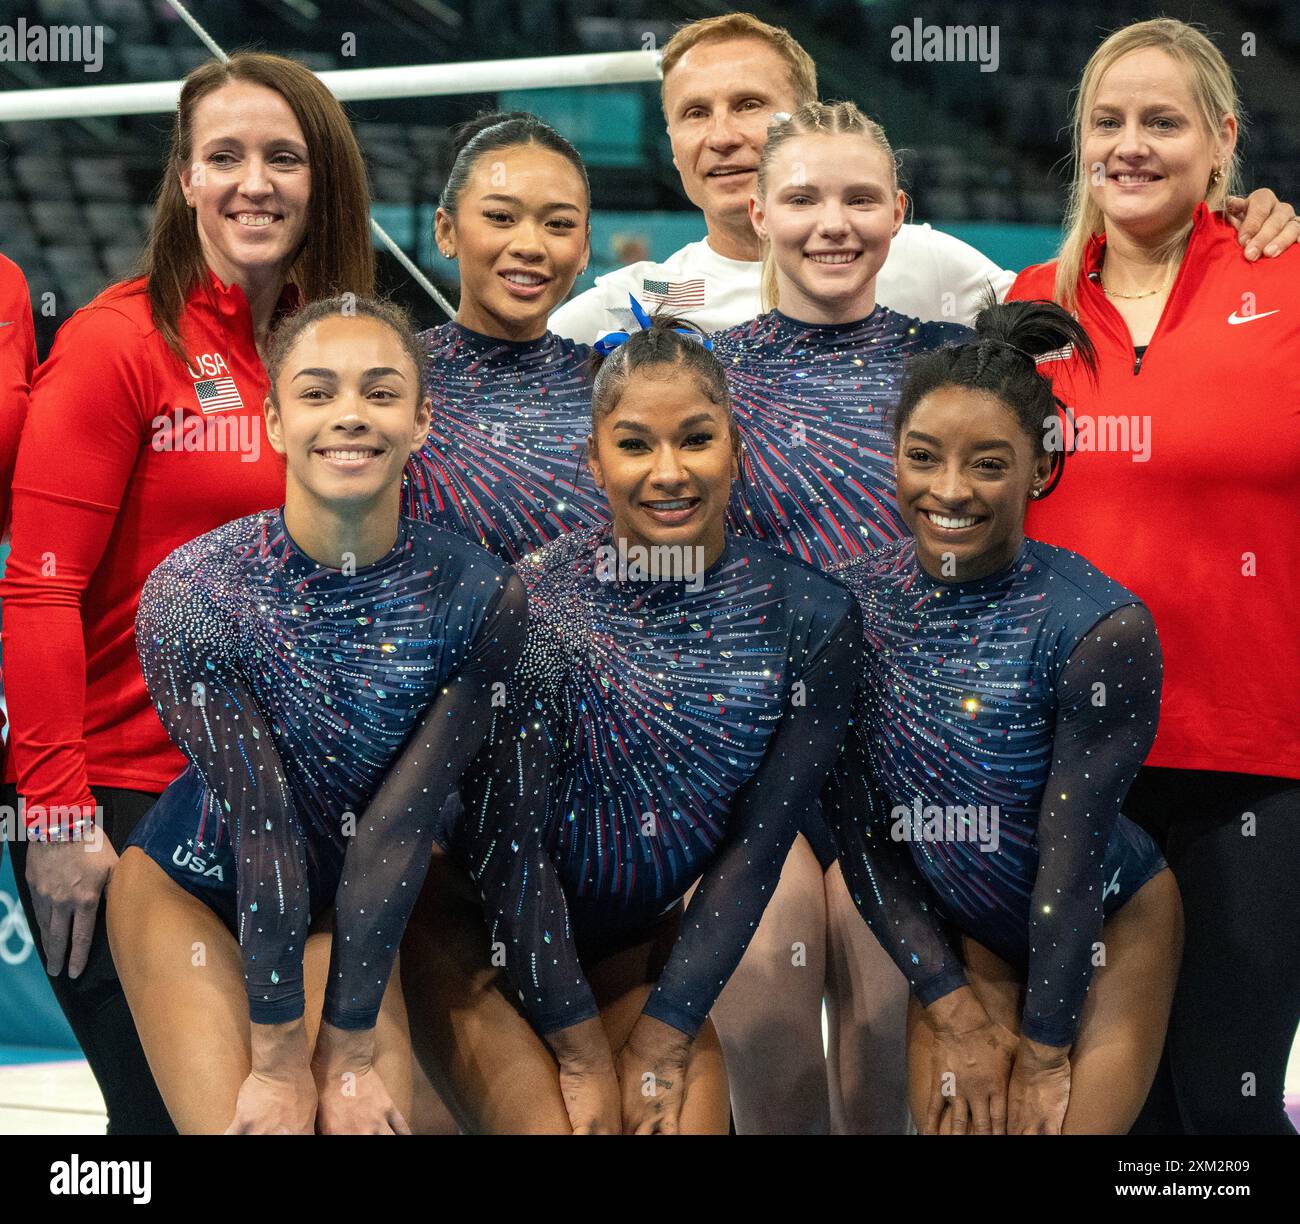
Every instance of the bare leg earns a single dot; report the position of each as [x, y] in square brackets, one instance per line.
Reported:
[184, 979]
[1122, 1025]
[1122, 1028]
[866, 1001]
[496, 1075]
[769, 1015]
[429, 1112]
[621, 984]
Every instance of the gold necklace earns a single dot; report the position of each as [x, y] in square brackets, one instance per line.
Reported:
[1134, 296]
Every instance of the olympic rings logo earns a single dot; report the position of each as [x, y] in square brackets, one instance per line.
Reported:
[13, 926]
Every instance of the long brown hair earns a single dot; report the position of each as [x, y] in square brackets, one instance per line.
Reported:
[1215, 95]
[335, 256]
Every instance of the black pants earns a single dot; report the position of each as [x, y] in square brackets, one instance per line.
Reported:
[1233, 842]
[94, 1003]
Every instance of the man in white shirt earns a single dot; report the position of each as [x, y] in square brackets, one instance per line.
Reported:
[723, 80]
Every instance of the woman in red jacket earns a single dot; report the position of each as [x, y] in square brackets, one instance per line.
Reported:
[17, 361]
[1185, 458]
[145, 431]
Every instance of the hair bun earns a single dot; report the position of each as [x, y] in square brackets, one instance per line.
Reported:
[1033, 328]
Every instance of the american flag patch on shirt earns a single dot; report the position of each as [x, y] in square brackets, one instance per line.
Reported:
[217, 394]
[684, 294]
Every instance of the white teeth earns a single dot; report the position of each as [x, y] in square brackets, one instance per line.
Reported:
[256, 220]
[348, 454]
[681, 504]
[524, 278]
[1135, 178]
[838, 257]
[942, 520]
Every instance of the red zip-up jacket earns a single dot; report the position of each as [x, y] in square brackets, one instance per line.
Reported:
[1206, 527]
[17, 361]
[127, 453]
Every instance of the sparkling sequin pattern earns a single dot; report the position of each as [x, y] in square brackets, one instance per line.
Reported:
[292, 687]
[664, 710]
[504, 461]
[814, 406]
[971, 714]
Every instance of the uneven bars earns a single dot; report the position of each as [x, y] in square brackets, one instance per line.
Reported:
[353, 84]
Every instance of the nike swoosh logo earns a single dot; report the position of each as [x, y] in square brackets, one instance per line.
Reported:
[6, 323]
[1234, 317]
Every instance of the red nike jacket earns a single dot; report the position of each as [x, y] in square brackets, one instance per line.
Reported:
[1185, 487]
[127, 453]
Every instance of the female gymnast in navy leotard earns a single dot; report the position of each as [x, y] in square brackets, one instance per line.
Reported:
[328, 668]
[1010, 693]
[511, 400]
[814, 381]
[677, 722]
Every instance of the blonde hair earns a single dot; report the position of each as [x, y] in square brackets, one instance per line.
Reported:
[803, 72]
[815, 119]
[1215, 94]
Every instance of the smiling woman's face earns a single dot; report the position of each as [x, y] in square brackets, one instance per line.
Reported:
[830, 211]
[249, 181]
[965, 470]
[1146, 152]
[665, 458]
[348, 412]
[520, 235]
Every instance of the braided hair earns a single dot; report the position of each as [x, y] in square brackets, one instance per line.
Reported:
[1003, 361]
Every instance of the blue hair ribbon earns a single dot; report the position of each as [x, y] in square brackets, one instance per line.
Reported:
[611, 340]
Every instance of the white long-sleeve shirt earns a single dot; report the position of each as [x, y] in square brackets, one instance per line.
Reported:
[928, 275]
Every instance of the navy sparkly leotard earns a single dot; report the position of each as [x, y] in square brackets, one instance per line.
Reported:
[510, 421]
[812, 402]
[293, 688]
[815, 403]
[687, 730]
[1002, 722]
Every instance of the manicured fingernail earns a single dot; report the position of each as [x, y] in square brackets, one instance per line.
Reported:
[1270, 250]
[1251, 253]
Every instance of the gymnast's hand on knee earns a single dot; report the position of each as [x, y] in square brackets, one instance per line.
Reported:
[588, 1081]
[279, 1095]
[652, 1075]
[352, 1098]
[970, 1066]
[1039, 1091]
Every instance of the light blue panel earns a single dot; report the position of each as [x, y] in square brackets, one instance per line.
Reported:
[29, 1013]
[1007, 245]
[604, 123]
